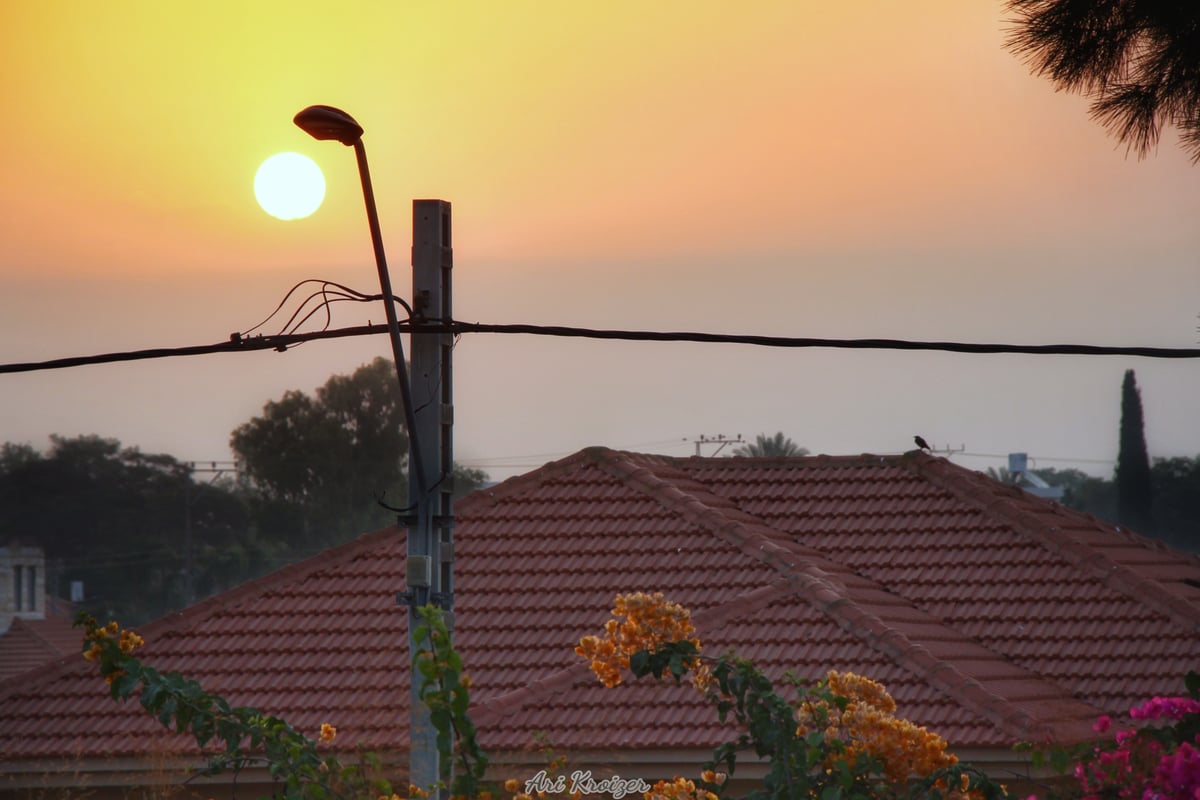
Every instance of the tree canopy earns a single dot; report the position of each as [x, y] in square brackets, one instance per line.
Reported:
[777, 445]
[145, 537]
[326, 465]
[1139, 61]
[1135, 486]
[117, 519]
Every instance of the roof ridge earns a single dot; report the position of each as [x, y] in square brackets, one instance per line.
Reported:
[490, 495]
[854, 616]
[772, 545]
[182, 620]
[36, 634]
[915, 658]
[59, 661]
[1014, 509]
[507, 702]
[844, 596]
[185, 618]
[565, 677]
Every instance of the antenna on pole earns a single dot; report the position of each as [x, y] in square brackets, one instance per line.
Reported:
[719, 440]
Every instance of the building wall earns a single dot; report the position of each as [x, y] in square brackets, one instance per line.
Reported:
[22, 584]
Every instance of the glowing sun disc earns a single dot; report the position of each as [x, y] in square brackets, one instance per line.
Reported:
[289, 186]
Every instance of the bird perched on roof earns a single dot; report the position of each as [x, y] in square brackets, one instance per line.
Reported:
[921, 443]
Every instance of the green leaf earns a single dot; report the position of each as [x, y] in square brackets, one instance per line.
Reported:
[460, 702]
[124, 685]
[440, 719]
[150, 694]
[202, 729]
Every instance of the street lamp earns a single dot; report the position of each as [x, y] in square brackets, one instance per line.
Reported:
[424, 569]
[325, 123]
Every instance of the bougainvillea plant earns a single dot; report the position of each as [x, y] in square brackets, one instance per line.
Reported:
[1156, 756]
[234, 737]
[837, 738]
[840, 737]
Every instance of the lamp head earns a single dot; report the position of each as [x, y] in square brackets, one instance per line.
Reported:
[327, 122]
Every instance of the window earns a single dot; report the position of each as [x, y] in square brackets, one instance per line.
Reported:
[31, 588]
[25, 587]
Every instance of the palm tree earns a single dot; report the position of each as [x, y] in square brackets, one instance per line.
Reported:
[777, 445]
[1138, 59]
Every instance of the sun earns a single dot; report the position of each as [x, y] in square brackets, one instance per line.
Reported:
[289, 186]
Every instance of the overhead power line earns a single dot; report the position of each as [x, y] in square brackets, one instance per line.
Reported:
[241, 344]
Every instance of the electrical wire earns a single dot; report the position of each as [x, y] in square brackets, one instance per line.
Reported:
[323, 297]
[239, 343]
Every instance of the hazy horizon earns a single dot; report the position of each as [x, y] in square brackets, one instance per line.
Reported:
[787, 168]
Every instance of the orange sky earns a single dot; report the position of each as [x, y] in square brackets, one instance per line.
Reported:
[825, 169]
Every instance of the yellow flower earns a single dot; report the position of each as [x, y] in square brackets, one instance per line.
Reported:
[466, 681]
[328, 732]
[511, 785]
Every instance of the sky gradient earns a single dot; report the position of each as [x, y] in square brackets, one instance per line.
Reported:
[860, 169]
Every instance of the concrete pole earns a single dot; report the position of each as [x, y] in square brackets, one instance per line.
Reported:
[430, 542]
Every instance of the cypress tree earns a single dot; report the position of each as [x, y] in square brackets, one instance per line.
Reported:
[1135, 491]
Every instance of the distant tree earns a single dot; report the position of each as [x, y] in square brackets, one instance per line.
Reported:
[114, 518]
[1001, 475]
[1138, 59]
[467, 480]
[1083, 492]
[1135, 487]
[1176, 491]
[1177, 501]
[320, 466]
[777, 445]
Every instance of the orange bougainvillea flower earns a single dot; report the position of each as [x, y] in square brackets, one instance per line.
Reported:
[130, 641]
[328, 732]
[867, 726]
[678, 789]
[640, 622]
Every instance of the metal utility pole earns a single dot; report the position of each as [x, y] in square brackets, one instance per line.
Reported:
[430, 566]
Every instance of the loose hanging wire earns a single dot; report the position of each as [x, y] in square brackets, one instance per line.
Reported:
[320, 300]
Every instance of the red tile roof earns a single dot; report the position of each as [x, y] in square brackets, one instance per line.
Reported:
[991, 615]
[29, 643]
